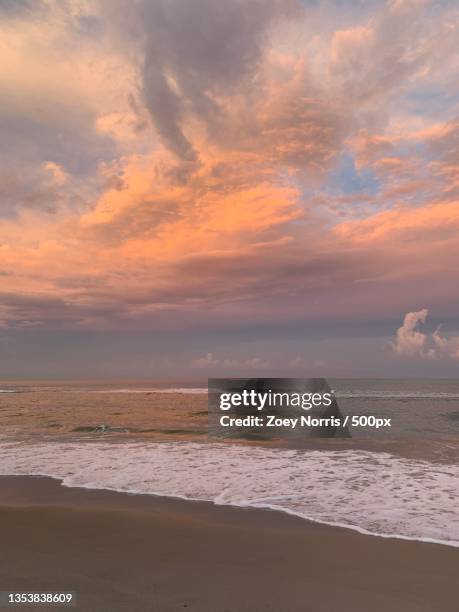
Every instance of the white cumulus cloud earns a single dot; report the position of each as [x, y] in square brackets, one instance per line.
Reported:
[411, 342]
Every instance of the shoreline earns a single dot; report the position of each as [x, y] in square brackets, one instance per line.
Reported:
[260, 508]
[127, 551]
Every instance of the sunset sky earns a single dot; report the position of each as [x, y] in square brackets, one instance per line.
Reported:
[193, 187]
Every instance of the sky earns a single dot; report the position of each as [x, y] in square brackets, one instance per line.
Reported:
[249, 187]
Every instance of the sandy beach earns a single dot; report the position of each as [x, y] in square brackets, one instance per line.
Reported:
[140, 552]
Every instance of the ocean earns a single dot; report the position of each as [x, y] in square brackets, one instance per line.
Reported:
[151, 438]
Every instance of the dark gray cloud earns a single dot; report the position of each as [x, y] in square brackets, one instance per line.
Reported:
[196, 51]
[35, 188]
[19, 8]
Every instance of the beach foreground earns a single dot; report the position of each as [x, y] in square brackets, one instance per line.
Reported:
[131, 552]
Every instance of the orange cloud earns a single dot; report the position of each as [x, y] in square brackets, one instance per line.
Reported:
[425, 223]
[174, 176]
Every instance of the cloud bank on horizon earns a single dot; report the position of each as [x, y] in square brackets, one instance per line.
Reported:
[172, 164]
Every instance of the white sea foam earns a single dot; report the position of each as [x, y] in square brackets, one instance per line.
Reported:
[373, 493]
[354, 394]
[373, 393]
[186, 390]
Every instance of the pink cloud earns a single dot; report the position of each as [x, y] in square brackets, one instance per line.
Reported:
[220, 206]
[411, 342]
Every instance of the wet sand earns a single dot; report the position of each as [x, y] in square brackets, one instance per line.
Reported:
[142, 553]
